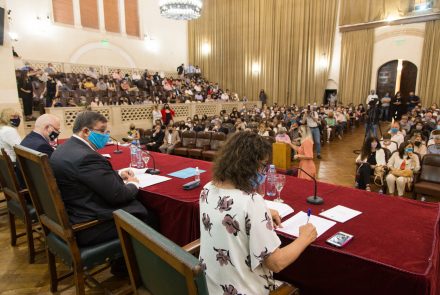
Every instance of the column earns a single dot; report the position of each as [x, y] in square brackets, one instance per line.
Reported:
[101, 15]
[122, 17]
[76, 14]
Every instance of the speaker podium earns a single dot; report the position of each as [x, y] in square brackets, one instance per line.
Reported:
[281, 155]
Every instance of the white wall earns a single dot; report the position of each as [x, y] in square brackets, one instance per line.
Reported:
[397, 42]
[61, 43]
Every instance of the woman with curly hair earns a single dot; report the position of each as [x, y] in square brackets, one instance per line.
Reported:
[239, 248]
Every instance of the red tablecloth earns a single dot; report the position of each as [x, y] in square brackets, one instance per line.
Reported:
[395, 249]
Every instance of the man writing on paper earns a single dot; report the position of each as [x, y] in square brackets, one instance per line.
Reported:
[89, 186]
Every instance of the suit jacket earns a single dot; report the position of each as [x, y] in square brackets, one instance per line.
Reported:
[174, 137]
[89, 186]
[38, 143]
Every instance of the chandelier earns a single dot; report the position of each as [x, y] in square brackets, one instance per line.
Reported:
[180, 9]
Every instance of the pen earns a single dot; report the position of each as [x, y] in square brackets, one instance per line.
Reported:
[309, 212]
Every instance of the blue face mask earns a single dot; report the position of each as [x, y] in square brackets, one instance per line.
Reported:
[394, 130]
[261, 178]
[99, 140]
[409, 150]
[438, 127]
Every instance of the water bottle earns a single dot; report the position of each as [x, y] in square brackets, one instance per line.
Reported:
[270, 182]
[133, 154]
[197, 174]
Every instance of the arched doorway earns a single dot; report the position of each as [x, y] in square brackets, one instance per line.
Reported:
[396, 75]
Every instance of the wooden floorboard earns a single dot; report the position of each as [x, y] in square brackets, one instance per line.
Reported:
[19, 277]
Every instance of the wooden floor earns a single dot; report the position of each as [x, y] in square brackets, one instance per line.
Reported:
[19, 277]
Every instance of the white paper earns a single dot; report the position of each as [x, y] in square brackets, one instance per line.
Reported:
[135, 170]
[340, 213]
[107, 156]
[148, 179]
[291, 226]
[283, 209]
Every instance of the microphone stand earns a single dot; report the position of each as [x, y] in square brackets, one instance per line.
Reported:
[117, 151]
[314, 200]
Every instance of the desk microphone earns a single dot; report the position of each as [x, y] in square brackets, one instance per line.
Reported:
[153, 170]
[117, 151]
[315, 200]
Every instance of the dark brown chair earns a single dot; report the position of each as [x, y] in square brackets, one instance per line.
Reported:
[58, 232]
[202, 144]
[143, 247]
[188, 141]
[217, 139]
[18, 206]
[428, 181]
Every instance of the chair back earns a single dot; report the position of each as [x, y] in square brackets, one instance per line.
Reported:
[156, 263]
[430, 168]
[8, 180]
[203, 139]
[216, 140]
[387, 154]
[44, 192]
[188, 138]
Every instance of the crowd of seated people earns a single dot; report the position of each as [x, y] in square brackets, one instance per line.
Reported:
[397, 156]
[39, 88]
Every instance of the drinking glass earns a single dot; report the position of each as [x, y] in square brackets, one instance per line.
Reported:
[280, 181]
[145, 158]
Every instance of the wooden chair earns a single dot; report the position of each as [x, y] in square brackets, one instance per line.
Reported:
[428, 181]
[59, 233]
[175, 270]
[202, 144]
[17, 205]
[217, 139]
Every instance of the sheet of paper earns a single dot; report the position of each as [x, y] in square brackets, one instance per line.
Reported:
[148, 179]
[135, 170]
[186, 173]
[108, 156]
[340, 213]
[283, 209]
[291, 225]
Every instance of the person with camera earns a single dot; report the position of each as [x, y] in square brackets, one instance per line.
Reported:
[311, 118]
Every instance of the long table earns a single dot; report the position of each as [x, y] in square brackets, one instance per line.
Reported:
[395, 249]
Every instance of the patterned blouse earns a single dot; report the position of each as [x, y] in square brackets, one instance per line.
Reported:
[237, 233]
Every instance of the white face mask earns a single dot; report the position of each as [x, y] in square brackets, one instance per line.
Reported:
[96, 99]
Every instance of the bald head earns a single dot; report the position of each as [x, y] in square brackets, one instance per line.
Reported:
[48, 125]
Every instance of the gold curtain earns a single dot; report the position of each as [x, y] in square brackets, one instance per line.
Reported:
[282, 46]
[356, 65]
[429, 83]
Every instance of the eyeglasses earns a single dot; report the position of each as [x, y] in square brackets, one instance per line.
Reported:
[56, 129]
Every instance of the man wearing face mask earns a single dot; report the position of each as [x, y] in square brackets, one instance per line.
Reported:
[89, 186]
[47, 128]
[435, 148]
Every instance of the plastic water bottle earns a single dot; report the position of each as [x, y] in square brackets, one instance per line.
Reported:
[270, 182]
[139, 160]
[197, 174]
[133, 155]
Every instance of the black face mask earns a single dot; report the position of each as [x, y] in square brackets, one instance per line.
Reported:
[15, 122]
[53, 135]
[417, 143]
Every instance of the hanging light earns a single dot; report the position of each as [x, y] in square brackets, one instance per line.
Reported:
[180, 9]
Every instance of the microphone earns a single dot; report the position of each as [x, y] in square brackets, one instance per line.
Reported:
[117, 151]
[152, 171]
[314, 200]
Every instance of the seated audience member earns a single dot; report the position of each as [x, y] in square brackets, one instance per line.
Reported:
[405, 124]
[402, 166]
[372, 156]
[88, 84]
[156, 139]
[435, 147]
[240, 125]
[89, 186]
[96, 102]
[419, 145]
[262, 130]
[304, 153]
[9, 122]
[331, 125]
[46, 129]
[171, 138]
[101, 85]
[282, 136]
[237, 232]
[418, 127]
[396, 133]
[386, 143]
[133, 133]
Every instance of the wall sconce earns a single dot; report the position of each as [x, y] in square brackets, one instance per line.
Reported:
[13, 36]
[206, 48]
[256, 68]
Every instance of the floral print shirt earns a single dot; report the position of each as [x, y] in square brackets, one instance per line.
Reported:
[236, 234]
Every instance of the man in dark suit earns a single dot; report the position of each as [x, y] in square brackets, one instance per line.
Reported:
[47, 128]
[89, 186]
